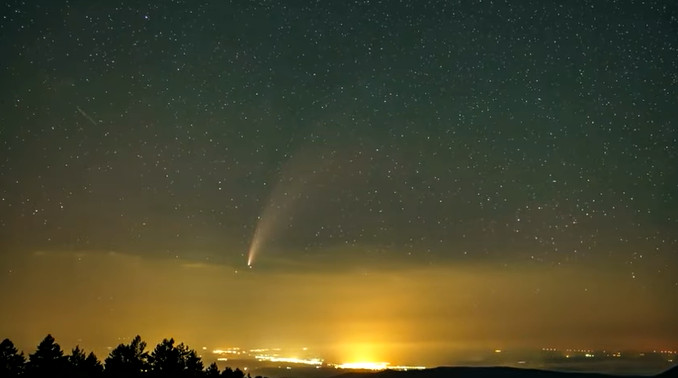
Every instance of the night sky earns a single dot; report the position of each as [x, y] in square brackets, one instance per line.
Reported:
[413, 177]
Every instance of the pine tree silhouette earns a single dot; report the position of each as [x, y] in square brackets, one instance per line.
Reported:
[11, 361]
[212, 371]
[48, 360]
[128, 360]
[83, 366]
[168, 360]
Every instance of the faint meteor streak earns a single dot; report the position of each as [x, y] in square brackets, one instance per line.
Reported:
[86, 116]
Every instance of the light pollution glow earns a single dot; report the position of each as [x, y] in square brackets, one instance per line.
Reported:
[363, 365]
[375, 366]
[318, 362]
[406, 315]
[292, 360]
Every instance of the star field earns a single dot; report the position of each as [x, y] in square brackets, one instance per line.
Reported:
[414, 133]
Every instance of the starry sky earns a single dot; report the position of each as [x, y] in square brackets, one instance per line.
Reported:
[412, 175]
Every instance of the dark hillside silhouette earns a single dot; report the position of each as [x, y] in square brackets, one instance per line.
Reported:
[670, 373]
[486, 372]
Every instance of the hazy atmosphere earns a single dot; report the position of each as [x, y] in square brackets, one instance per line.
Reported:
[417, 182]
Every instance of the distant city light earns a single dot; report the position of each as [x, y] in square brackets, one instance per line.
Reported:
[292, 360]
[363, 365]
[287, 359]
[227, 351]
[375, 366]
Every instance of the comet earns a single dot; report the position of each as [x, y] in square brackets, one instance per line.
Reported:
[254, 246]
[267, 228]
[304, 176]
[283, 202]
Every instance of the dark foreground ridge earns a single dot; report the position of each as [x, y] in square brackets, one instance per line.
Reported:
[673, 372]
[492, 372]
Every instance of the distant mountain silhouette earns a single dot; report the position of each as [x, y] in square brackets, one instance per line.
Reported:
[673, 372]
[491, 372]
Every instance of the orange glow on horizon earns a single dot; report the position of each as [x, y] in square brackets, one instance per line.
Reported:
[363, 365]
[406, 315]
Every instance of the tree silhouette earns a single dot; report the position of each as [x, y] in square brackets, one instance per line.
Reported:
[92, 365]
[212, 370]
[237, 373]
[11, 361]
[128, 360]
[227, 372]
[168, 360]
[194, 364]
[83, 366]
[48, 359]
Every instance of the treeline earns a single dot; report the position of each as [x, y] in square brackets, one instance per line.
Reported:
[126, 360]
